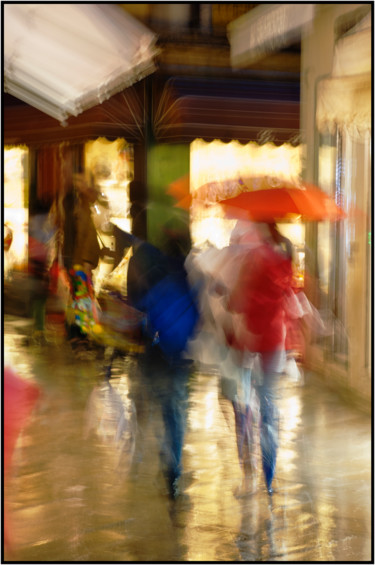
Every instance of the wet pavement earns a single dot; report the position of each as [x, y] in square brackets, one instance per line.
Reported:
[78, 493]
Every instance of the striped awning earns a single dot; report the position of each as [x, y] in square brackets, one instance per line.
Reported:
[226, 109]
[120, 116]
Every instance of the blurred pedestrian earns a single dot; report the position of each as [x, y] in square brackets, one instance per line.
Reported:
[80, 246]
[216, 270]
[41, 233]
[264, 282]
[157, 285]
[8, 239]
[80, 253]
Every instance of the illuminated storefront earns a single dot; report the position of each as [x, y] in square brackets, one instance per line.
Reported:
[343, 119]
[216, 162]
[338, 136]
[110, 164]
[16, 213]
[231, 129]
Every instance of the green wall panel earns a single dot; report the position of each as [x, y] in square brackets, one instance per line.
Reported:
[165, 164]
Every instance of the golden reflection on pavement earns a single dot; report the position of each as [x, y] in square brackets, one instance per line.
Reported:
[75, 496]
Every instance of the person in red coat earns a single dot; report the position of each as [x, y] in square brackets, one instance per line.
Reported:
[264, 281]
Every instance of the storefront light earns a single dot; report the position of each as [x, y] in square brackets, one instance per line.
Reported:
[15, 202]
[219, 161]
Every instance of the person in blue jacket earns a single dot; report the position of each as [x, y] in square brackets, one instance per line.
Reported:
[157, 285]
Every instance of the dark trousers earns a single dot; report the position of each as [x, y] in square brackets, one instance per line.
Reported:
[167, 383]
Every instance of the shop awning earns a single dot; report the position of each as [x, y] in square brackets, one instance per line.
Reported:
[66, 58]
[265, 29]
[344, 99]
[120, 116]
[226, 109]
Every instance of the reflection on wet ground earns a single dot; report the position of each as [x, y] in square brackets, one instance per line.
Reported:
[79, 492]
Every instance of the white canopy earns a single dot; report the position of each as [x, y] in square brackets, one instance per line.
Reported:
[344, 99]
[265, 29]
[66, 58]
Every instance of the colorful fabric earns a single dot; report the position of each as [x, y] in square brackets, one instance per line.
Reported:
[83, 310]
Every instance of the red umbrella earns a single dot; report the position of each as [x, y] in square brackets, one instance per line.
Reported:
[180, 191]
[283, 203]
[179, 188]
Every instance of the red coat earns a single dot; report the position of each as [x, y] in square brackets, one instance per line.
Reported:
[264, 278]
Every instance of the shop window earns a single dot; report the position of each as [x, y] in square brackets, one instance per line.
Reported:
[331, 265]
[344, 248]
[344, 110]
[356, 240]
[111, 167]
[212, 164]
[16, 195]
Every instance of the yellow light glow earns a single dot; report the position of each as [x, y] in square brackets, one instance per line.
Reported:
[294, 231]
[15, 212]
[292, 416]
[111, 165]
[219, 161]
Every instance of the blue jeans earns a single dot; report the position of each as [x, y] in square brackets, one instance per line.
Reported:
[271, 365]
[167, 381]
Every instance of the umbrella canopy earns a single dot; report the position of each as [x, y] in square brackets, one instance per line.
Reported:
[217, 190]
[64, 58]
[180, 191]
[283, 203]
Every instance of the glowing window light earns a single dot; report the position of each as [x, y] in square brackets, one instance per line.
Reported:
[15, 211]
[111, 166]
[219, 161]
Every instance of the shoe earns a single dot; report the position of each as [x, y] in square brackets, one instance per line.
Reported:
[269, 464]
[38, 338]
[80, 344]
[174, 490]
[173, 484]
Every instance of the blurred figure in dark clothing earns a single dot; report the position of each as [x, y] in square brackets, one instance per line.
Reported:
[80, 248]
[166, 383]
[157, 285]
[8, 238]
[40, 235]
